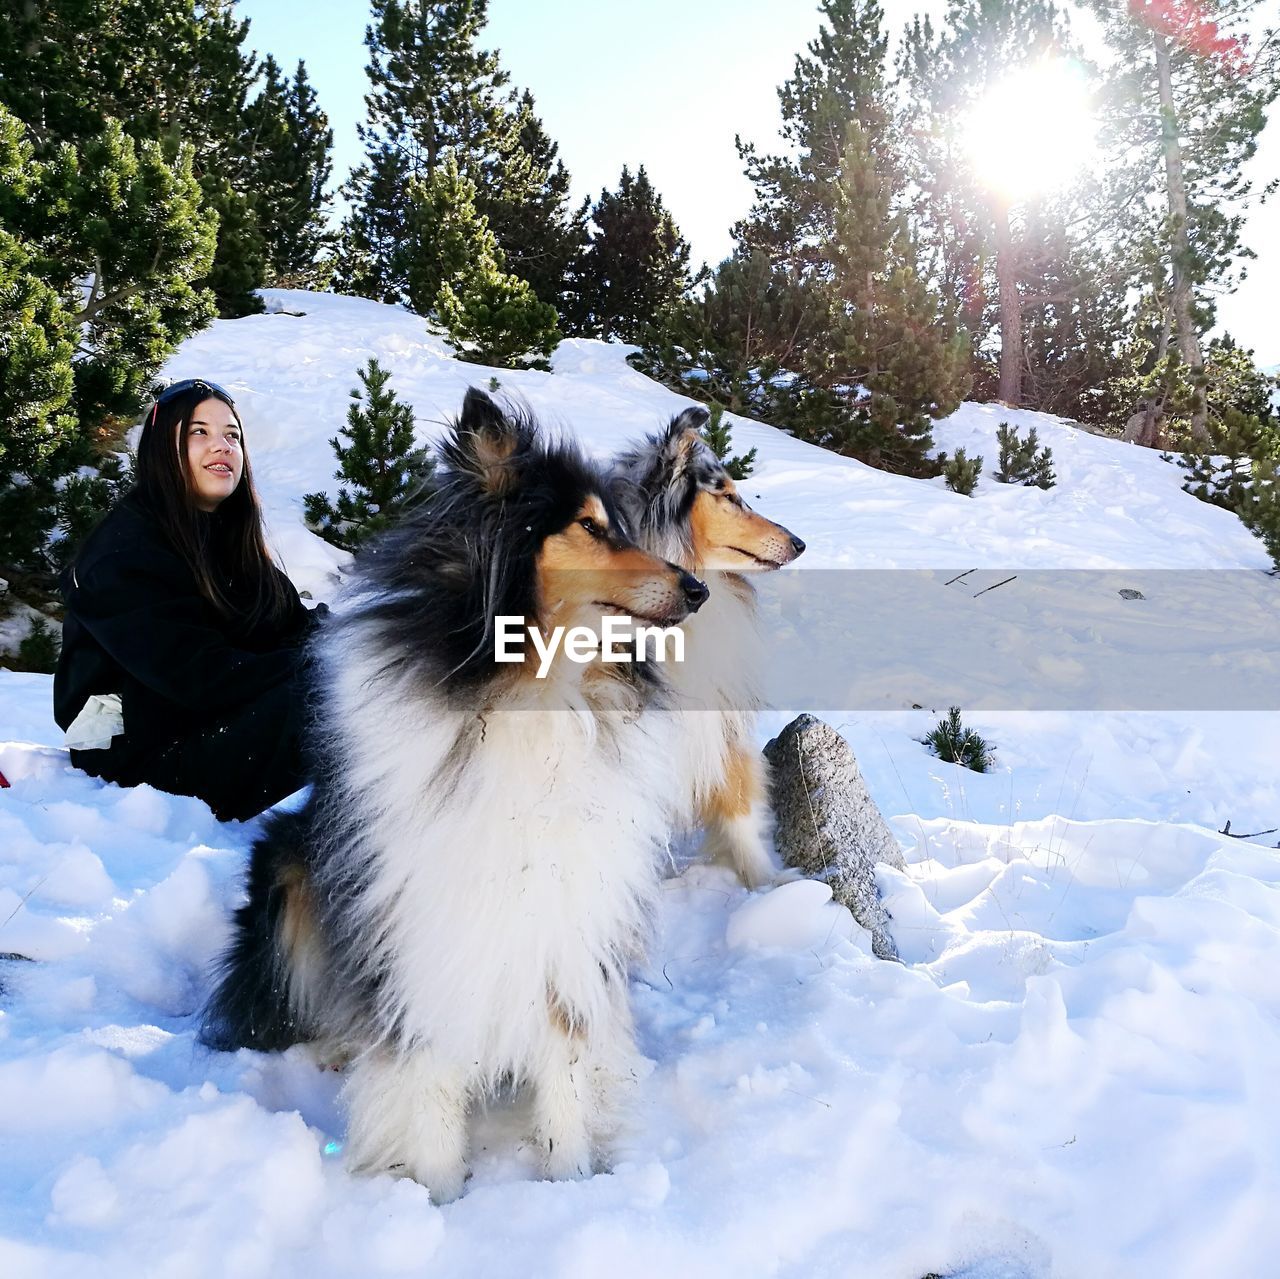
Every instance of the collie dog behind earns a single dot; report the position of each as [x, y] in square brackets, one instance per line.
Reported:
[456, 906]
[683, 505]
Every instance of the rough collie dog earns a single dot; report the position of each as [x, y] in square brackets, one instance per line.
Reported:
[456, 906]
[683, 505]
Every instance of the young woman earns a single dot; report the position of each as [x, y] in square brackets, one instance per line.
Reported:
[182, 650]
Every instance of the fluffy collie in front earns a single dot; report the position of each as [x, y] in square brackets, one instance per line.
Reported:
[685, 506]
[456, 907]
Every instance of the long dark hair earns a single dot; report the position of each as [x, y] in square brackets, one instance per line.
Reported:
[226, 552]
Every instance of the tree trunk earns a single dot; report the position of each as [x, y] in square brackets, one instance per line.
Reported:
[1188, 338]
[1010, 311]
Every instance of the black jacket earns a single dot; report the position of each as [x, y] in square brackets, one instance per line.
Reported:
[137, 625]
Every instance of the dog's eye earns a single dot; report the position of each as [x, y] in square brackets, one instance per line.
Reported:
[734, 498]
[592, 527]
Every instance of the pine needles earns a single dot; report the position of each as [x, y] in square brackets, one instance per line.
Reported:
[950, 741]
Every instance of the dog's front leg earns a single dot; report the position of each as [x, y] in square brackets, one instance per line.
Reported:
[737, 817]
[564, 1099]
[407, 1113]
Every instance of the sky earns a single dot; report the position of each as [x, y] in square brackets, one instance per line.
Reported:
[668, 85]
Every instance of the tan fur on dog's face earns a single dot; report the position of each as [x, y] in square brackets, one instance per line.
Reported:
[728, 535]
[592, 568]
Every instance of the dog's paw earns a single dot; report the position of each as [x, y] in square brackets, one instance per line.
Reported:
[755, 867]
[740, 844]
[567, 1161]
[443, 1182]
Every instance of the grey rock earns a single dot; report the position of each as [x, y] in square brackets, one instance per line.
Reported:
[828, 826]
[1146, 426]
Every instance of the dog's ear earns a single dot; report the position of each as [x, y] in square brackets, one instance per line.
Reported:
[681, 440]
[693, 419]
[488, 441]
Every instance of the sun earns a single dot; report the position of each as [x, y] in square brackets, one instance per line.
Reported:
[1033, 131]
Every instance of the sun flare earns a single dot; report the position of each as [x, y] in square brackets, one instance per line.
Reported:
[1033, 130]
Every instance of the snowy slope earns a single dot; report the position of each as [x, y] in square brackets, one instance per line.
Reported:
[1071, 1074]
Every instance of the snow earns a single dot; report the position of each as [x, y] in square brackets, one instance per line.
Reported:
[1072, 1073]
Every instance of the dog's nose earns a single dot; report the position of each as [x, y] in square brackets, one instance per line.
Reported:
[798, 544]
[695, 592]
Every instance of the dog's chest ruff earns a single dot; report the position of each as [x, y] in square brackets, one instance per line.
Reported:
[511, 860]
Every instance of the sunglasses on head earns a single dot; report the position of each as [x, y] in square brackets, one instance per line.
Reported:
[202, 385]
[193, 384]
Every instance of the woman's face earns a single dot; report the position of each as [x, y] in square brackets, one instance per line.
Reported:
[215, 457]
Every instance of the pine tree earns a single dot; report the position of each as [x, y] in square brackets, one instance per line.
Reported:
[133, 228]
[210, 115]
[840, 83]
[1075, 317]
[458, 275]
[375, 248]
[38, 650]
[961, 472]
[87, 494]
[720, 439]
[636, 264]
[750, 323]
[541, 237]
[432, 96]
[951, 741]
[167, 71]
[240, 259]
[287, 141]
[102, 248]
[1238, 467]
[886, 355]
[1230, 381]
[1033, 276]
[387, 472]
[1233, 380]
[1189, 100]
[892, 339]
[1260, 506]
[1221, 470]
[449, 230]
[940, 209]
[36, 350]
[495, 318]
[161, 68]
[1019, 461]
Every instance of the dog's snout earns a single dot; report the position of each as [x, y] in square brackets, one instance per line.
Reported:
[695, 592]
[797, 544]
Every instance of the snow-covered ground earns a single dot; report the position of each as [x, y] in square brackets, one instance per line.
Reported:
[1073, 1073]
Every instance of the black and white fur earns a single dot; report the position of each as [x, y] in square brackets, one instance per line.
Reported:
[456, 907]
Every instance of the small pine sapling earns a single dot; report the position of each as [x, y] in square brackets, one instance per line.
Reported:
[950, 741]
[961, 472]
[1019, 461]
[387, 472]
[38, 651]
[718, 435]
